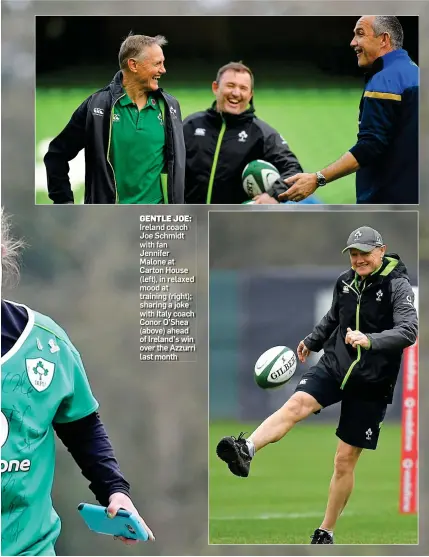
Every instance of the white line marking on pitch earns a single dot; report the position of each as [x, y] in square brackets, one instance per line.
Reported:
[274, 515]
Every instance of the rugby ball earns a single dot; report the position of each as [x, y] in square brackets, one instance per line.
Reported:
[275, 367]
[258, 177]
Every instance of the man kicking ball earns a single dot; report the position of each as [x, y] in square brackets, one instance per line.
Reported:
[371, 320]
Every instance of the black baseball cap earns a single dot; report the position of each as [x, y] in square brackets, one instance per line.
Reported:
[364, 239]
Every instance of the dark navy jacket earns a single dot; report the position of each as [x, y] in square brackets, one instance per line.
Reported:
[387, 146]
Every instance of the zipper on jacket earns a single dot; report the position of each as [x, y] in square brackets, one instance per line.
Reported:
[215, 161]
[164, 175]
[359, 348]
[108, 147]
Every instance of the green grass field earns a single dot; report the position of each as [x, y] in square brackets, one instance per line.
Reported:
[319, 125]
[283, 500]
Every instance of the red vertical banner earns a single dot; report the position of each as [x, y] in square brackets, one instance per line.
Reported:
[408, 501]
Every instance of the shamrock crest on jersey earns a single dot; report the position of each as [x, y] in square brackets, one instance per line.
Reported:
[43, 382]
[40, 372]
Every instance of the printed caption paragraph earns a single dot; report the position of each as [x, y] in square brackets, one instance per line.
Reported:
[168, 288]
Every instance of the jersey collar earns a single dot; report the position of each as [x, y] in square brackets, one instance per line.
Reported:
[151, 101]
[24, 335]
[386, 60]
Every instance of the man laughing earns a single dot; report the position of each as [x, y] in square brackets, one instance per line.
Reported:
[385, 156]
[132, 135]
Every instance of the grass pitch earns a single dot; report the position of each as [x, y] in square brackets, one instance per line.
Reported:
[283, 500]
[319, 125]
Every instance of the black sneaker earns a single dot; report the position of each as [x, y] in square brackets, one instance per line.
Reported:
[236, 454]
[321, 536]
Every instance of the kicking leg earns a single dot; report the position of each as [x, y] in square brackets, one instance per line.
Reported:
[238, 452]
[297, 408]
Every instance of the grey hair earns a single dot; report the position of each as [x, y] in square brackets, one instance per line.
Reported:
[389, 24]
[134, 45]
[10, 252]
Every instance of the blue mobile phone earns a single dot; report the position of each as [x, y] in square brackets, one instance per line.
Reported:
[123, 524]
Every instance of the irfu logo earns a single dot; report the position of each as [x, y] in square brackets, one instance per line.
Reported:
[40, 373]
[40, 370]
[242, 136]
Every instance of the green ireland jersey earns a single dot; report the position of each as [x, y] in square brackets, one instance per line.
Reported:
[43, 382]
[138, 151]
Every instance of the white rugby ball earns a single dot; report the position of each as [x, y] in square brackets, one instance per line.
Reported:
[275, 367]
[258, 177]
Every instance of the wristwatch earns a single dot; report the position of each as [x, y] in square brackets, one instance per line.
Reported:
[321, 180]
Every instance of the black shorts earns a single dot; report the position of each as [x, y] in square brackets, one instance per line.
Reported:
[360, 419]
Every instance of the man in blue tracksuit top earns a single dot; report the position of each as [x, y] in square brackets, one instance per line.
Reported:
[385, 156]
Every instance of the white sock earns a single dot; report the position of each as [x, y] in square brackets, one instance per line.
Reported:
[251, 448]
[330, 532]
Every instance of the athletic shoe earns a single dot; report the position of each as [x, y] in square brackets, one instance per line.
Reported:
[236, 454]
[321, 536]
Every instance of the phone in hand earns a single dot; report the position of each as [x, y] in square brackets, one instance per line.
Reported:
[124, 524]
